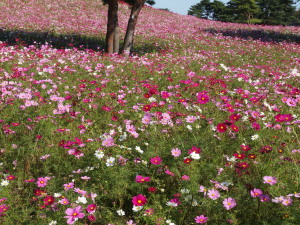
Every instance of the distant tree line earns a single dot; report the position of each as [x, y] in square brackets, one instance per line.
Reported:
[268, 12]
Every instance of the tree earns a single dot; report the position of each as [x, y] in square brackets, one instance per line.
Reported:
[202, 9]
[218, 10]
[277, 12]
[112, 34]
[243, 11]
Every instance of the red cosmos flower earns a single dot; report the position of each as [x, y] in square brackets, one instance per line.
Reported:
[234, 117]
[156, 160]
[234, 128]
[139, 200]
[242, 165]
[48, 200]
[239, 156]
[147, 108]
[38, 192]
[221, 127]
[251, 156]
[10, 177]
[141, 179]
[147, 95]
[188, 160]
[202, 98]
[245, 148]
[152, 189]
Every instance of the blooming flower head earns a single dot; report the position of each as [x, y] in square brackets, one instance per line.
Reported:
[73, 214]
[265, 198]
[141, 179]
[202, 98]
[256, 193]
[221, 127]
[176, 152]
[287, 201]
[139, 200]
[156, 160]
[213, 194]
[229, 203]
[64, 201]
[270, 180]
[201, 219]
[69, 186]
[42, 181]
[91, 208]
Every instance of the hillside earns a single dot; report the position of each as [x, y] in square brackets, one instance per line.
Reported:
[199, 125]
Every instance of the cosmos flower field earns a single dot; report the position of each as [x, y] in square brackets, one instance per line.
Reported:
[200, 125]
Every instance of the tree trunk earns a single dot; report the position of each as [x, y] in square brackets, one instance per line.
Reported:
[112, 23]
[135, 10]
[116, 39]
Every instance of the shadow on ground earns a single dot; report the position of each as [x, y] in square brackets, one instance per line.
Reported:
[262, 35]
[63, 41]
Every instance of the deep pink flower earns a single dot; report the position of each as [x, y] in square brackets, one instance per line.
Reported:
[229, 203]
[221, 127]
[139, 200]
[74, 214]
[141, 179]
[202, 98]
[156, 160]
[91, 208]
[201, 219]
[48, 200]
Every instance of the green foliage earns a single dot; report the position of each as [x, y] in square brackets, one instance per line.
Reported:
[269, 12]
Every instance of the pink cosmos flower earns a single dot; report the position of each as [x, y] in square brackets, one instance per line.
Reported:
[256, 193]
[176, 152]
[139, 200]
[108, 142]
[42, 181]
[213, 194]
[156, 160]
[201, 219]
[74, 214]
[68, 186]
[185, 177]
[229, 203]
[64, 201]
[270, 180]
[4, 208]
[287, 201]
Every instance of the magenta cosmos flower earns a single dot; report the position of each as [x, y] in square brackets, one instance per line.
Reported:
[270, 180]
[202, 98]
[42, 181]
[229, 203]
[201, 219]
[141, 179]
[156, 160]
[139, 200]
[74, 214]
